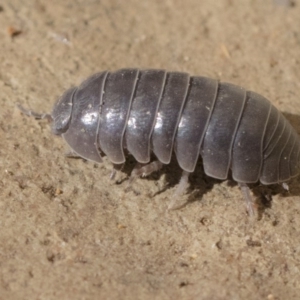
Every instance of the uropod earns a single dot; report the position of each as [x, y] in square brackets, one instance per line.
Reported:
[145, 112]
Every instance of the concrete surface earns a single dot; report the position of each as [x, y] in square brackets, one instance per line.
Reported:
[66, 231]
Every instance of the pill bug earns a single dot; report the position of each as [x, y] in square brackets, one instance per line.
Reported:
[144, 112]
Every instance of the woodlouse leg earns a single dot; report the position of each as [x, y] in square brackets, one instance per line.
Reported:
[34, 114]
[286, 186]
[114, 171]
[248, 199]
[146, 170]
[180, 190]
[143, 170]
[72, 154]
[183, 184]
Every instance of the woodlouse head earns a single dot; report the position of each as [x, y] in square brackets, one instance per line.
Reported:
[61, 113]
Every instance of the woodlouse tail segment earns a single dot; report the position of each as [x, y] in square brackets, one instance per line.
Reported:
[34, 114]
[250, 205]
[176, 202]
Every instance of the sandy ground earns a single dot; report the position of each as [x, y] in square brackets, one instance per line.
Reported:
[67, 232]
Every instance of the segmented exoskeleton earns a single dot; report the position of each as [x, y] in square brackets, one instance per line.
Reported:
[154, 111]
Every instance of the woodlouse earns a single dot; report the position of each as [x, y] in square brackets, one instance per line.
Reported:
[144, 111]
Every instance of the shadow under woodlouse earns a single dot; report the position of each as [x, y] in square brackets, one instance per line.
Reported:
[200, 184]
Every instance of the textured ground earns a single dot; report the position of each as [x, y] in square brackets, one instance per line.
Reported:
[65, 230]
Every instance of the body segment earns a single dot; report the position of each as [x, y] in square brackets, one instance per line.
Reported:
[117, 98]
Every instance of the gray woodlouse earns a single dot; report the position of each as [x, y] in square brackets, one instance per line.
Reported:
[144, 111]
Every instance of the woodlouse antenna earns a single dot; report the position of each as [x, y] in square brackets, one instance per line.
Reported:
[34, 114]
